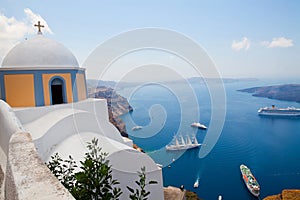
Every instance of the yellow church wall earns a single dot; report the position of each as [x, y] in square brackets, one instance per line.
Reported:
[19, 90]
[81, 86]
[46, 86]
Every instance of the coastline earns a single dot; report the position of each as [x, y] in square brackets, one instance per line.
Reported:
[287, 194]
[117, 106]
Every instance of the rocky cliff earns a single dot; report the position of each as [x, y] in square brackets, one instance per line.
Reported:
[117, 105]
[285, 195]
[287, 92]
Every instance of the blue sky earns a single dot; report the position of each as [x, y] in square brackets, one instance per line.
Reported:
[244, 38]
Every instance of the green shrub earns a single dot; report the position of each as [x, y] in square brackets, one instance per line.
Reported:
[94, 180]
[141, 193]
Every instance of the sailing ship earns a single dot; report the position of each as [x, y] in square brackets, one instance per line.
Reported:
[181, 144]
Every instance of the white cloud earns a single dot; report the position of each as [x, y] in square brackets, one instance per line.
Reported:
[278, 42]
[13, 30]
[239, 45]
[34, 18]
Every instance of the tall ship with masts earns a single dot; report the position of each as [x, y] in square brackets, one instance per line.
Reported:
[181, 144]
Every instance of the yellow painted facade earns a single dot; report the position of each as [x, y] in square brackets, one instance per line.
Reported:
[81, 87]
[19, 90]
[46, 86]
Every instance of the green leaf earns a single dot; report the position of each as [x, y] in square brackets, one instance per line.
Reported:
[146, 194]
[152, 182]
[130, 189]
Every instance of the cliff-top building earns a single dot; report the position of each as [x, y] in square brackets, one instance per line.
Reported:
[41, 72]
[43, 94]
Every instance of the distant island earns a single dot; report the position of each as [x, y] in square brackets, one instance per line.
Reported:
[287, 92]
[93, 83]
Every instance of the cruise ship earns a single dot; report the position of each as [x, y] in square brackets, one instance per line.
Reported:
[198, 125]
[250, 180]
[274, 111]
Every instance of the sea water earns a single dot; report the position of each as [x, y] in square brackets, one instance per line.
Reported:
[269, 146]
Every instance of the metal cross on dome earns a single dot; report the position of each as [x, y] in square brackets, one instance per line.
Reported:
[39, 27]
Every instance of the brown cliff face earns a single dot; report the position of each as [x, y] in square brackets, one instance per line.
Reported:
[285, 195]
[117, 105]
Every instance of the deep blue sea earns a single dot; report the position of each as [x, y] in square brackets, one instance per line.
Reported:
[269, 146]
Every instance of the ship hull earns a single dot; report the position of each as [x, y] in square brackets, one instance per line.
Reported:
[250, 181]
[250, 190]
[181, 147]
[281, 112]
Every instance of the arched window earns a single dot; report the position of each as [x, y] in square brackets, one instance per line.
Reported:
[57, 91]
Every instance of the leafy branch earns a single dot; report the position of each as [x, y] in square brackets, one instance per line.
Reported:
[141, 193]
[94, 181]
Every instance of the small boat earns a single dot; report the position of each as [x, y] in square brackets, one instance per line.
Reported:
[159, 165]
[220, 197]
[196, 184]
[198, 125]
[135, 128]
[250, 180]
[183, 145]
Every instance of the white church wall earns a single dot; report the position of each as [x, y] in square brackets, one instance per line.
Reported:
[54, 135]
[128, 179]
[97, 108]
[29, 114]
[62, 121]
[126, 164]
[48, 121]
[86, 122]
[66, 129]
[2, 180]
[9, 124]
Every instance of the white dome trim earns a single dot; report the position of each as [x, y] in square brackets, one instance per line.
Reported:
[39, 52]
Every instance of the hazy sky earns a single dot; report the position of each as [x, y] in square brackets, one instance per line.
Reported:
[257, 38]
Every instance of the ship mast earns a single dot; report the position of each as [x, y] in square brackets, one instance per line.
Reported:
[195, 140]
[182, 140]
[189, 140]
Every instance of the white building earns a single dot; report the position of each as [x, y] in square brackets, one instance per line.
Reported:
[43, 83]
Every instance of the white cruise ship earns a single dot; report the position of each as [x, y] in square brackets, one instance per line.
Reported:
[274, 111]
[198, 125]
